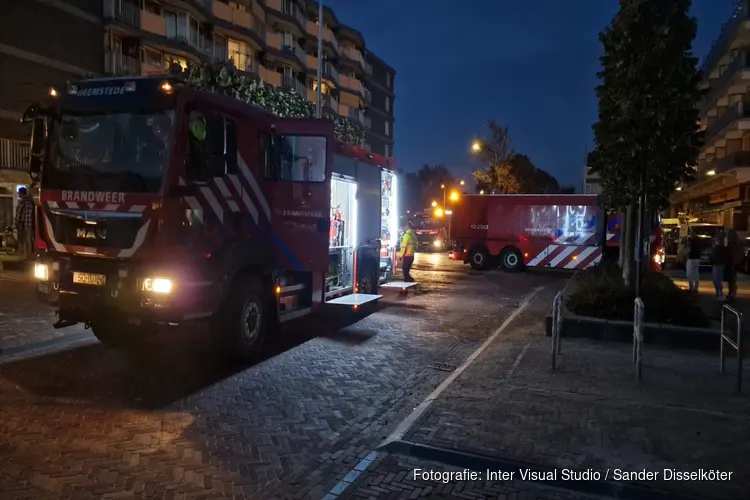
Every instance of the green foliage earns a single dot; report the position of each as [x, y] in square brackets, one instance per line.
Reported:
[648, 100]
[422, 187]
[223, 78]
[600, 292]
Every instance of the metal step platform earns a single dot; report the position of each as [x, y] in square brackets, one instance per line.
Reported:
[400, 285]
[354, 299]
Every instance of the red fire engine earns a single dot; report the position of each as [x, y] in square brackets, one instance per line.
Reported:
[430, 231]
[534, 230]
[162, 204]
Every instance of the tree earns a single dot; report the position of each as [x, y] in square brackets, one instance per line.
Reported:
[532, 179]
[567, 190]
[497, 152]
[423, 186]
[223, 78]
[648, 118]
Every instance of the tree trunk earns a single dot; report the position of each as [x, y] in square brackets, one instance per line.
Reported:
[628, 244]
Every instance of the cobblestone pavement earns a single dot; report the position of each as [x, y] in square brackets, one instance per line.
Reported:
[592, 413]
[25, 324]
[164, 421]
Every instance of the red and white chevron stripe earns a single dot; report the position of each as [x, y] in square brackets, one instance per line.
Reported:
[567, 257]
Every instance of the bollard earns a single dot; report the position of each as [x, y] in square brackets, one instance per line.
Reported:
[735, 343]
[556, 329]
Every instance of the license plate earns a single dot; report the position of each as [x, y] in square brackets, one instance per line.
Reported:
[89, 279]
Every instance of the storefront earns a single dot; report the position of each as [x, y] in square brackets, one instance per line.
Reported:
[10, 182]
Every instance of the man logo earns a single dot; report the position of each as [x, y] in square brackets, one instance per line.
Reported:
[91, 234]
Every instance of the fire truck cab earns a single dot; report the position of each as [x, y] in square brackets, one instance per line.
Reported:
[161, 204]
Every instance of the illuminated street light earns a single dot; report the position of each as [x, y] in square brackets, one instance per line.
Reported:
[476, 146]
[454, 196]
[679, 188]
[462, 183]
[438, 212]
[711, 172]
[442, 186]
[434, 204]
[481, 192]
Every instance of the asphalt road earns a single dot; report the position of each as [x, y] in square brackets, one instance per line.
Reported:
[166, 421]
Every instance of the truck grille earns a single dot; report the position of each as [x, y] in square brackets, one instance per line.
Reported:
[115, 232]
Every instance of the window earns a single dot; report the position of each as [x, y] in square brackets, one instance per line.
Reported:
[239, 54]
[387, 151]
[294, 158]
[387, 128]
[388, 104]
[177, 24]
[213, 153]
[388, 77]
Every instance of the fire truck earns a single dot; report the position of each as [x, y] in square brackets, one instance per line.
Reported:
[161, 204]
[529, 230]
[657, 255]
[430, 231]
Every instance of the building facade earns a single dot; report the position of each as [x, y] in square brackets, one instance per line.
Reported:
[720, 193]
[592, 183]
[52, 41]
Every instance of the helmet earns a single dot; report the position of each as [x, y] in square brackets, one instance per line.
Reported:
[197, 126]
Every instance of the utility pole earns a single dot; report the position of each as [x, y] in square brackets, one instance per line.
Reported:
[319, 107]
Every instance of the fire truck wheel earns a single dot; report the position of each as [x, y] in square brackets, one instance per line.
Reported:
[241, 328]
[511, 259]
[479, 258]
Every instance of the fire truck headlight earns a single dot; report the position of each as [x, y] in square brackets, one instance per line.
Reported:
[437, 243]
[158, 285]
[41, 272]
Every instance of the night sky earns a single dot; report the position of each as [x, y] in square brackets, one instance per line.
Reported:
[530, 65]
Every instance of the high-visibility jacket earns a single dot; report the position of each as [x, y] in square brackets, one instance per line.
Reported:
[408, 243]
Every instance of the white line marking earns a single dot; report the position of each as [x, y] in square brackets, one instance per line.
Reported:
[541, 255]
[254, 185]
[403, 427]
[580, 257]
[213, 203]
[561, 256]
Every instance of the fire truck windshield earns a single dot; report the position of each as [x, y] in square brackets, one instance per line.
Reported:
[114, 151]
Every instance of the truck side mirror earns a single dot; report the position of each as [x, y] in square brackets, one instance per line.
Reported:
[38, 136]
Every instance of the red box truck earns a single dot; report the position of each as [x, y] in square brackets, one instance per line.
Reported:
[529, 230]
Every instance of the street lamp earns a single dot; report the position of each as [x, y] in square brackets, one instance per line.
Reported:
[462, 183]
[481, 191]
[476, 146]
[454, 196]
[434, 204]
[438, 212]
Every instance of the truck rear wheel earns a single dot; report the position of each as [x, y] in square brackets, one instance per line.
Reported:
[241, 326]
[479, 258]
[511, 260]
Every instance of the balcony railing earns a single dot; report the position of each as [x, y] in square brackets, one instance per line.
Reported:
[122, 11]
[120, 64]
[368, 68]
[718, 86]
[14, 155]
[203, 4]
[730, 161]
[291, 83]
[330, 71]
[734, 112]
[728, 31]
[292, 48]
[330, 102]
[366, 95]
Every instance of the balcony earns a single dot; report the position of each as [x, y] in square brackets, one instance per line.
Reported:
[120, 64]
[328, 36]
[244, 61]
[368, 69]
[356, 115]
[723, 84]
[203, 4]
[234, 16]
[733, 160]
[350, 83]
[355, 55]
[331, 103]
[293, 49]
[270, 77]
[122, 11]
[732, 114]
[721, 46]
[153, 23]
[273, 40]
[367, 95]
[330, 71]
[288, 8]
[312, 62]
[14, 155]
[291, 83]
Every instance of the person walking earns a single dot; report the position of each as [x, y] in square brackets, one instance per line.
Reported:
[693, 263]
[408, 249]
[25, 223]
[733, 258]
[718, 261]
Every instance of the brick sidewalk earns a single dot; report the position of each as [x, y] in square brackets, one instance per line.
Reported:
[592, 413]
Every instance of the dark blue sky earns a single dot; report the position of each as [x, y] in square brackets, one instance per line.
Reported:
[530, 65]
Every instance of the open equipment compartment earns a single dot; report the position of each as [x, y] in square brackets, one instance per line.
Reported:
[342, 236]
[389, 232]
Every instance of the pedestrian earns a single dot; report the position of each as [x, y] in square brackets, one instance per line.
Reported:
[408, 249]
[733, 258]
[693, 263]
[718, 260]
[25, 223]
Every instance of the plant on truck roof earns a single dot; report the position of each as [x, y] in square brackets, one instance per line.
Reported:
[223, 78]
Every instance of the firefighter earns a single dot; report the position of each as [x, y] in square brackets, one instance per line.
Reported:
[408, 248]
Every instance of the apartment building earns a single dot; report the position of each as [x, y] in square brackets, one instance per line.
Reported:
[592, 183]
[721, 191]
[51, 41]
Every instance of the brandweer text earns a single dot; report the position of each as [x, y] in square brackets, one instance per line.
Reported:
[94, 196]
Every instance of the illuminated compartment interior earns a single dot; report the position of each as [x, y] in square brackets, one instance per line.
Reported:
[342, 236]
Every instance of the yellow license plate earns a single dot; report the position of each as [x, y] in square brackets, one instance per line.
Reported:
[89, 279]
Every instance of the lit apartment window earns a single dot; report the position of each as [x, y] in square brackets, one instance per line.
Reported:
[169, 60]
[388, 104]
[388, 128]
[239, 54]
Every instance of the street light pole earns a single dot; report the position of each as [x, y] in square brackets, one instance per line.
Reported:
[319, 106]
